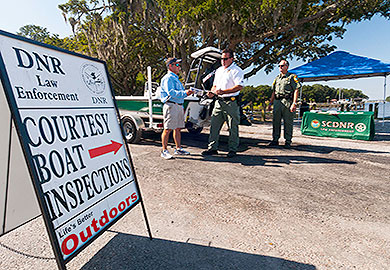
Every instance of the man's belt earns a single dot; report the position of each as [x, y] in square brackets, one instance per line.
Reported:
[228, 98]
[173, 102]
[288, 99]
[282, 96]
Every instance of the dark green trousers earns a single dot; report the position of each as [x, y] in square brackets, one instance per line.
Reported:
[280, 112]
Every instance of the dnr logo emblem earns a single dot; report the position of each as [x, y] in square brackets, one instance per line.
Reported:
[93, 79]
[315, 123]
[360, 127]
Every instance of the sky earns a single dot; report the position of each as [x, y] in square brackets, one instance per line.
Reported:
[369, 39]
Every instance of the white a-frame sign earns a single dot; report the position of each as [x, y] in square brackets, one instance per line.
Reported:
[67, 120]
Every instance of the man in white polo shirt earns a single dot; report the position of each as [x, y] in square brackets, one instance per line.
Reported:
[229, 80]
[172, 95]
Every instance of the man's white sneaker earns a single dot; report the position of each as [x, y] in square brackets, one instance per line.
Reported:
[181, 151]
[165, 154]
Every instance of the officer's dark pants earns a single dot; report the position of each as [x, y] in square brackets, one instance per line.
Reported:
[225, 111]
[282, 112]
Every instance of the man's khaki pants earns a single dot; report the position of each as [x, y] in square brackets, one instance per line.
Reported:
[224, 111]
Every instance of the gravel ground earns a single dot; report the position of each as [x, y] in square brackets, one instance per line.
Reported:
[324, 204]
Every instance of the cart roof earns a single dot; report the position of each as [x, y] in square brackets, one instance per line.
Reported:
[209, 54]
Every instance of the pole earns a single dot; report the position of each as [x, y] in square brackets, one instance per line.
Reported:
[384, 101]
[300, 101]
[340, 98]
[149, 69]
[146, 220]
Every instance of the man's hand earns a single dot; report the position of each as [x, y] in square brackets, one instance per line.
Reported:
[219, 92]
[210, 94]
[189, 92]
[293, 107]
[214, 92]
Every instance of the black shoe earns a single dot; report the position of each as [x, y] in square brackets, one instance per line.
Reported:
[209, 152]
[231, 154]
[273, 143]
[245, 122]
[287, 146]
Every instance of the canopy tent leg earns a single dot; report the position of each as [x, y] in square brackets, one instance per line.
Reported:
[384, 101]
[300, 101]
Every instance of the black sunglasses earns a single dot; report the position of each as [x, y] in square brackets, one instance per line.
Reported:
[282, 65]
[224, 59]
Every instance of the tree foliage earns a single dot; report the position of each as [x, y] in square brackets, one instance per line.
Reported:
[257, 95]
[36, 32]
[263, 32]
[115, 31]
[130, 35]
[323, 93]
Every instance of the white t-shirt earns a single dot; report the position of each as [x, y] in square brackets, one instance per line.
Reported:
[228, 78]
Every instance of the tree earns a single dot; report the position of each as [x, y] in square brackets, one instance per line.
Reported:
[35, 32]
[321, 93]
[388, 99]
[262, 33]
[255, 96]
[353, 93]
[116, 33]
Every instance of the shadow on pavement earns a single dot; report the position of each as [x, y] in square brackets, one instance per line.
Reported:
[189, 140]
[382, 137]
[200, 141]
[267, 160]
[127, 251]
[329, 149]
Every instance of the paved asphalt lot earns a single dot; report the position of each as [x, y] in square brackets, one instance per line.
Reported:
[324, 204]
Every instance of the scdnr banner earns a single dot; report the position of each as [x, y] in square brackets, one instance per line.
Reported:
[68, 124]
[353, 125]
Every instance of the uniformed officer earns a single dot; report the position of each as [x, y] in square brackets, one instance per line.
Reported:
[284, 98]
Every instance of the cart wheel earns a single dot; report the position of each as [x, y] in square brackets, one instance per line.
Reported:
[132, 134]
[193, 130]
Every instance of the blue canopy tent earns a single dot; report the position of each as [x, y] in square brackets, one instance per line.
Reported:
[342, 65]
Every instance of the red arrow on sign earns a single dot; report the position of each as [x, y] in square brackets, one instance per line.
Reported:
[102, 150]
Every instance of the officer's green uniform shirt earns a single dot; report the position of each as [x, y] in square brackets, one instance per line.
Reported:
[285, 85]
